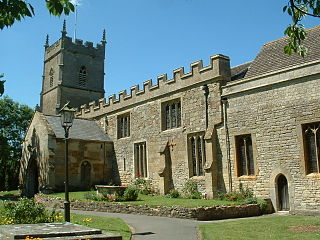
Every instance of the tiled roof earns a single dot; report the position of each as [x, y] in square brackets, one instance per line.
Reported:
[272, 58]
[82, 129]
[239, 71]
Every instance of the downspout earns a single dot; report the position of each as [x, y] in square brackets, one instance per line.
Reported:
[205, 90]
[227, 139]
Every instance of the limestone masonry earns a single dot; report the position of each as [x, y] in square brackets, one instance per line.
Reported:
[255, 125]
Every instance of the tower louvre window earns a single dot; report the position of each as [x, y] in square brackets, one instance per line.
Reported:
[51, 74]
[83, 76]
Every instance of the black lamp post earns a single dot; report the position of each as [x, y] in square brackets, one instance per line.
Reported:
[67, 116]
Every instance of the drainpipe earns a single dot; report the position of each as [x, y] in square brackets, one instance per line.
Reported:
[205, 90]
[227, 139]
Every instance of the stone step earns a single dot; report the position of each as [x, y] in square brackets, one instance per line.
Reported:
[103, 236]
[53, 231]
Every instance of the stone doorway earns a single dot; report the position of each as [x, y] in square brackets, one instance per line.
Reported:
[86, 175]
[283, 193]
[32, 183]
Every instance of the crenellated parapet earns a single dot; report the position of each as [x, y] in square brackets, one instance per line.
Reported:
[66, 44]
[217, 70]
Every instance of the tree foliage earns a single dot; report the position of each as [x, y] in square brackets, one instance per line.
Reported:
[16, 10]
[1, 85]
[298, 10]
[14, 120]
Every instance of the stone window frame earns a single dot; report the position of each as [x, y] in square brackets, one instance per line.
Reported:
[196, 159]
[167, 122]
[237, 162]
[140, 158]
[83, 76]
[51, 76]
[123, 125]
[304, 126]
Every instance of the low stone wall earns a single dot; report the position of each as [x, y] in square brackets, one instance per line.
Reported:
[200, 213]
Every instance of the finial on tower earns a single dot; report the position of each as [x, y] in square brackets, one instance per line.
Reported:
[104, 41]
[64, 29]
[47, 41]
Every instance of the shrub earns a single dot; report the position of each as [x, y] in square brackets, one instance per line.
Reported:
[173, 194]
[143, 185]
[94, 196]
[130, 194]
[26, 211]
[262, 205]
[190, 190]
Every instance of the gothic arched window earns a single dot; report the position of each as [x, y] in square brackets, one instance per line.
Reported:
[83, 76]
[51, 73]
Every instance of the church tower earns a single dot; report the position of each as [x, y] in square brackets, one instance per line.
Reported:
[73, 71]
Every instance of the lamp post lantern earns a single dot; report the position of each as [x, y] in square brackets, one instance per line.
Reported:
[67, 116]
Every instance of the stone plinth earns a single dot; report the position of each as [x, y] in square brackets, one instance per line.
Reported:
[54, 231]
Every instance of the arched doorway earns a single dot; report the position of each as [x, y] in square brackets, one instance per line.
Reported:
[85, 174]
[283, 193]
[32, 178]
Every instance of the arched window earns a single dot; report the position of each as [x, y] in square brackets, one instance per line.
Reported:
[83, 76]
[51, 73]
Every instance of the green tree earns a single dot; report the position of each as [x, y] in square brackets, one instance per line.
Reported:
[298, 10]
[14, 120]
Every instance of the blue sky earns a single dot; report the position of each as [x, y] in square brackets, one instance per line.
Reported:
[146, 38]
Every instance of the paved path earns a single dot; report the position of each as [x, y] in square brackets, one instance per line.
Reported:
[155, 228]
[158, 228]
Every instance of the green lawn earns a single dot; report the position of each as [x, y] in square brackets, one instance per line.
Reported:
[9, 193]
[112, 225]
[276, 227]
[159, 200]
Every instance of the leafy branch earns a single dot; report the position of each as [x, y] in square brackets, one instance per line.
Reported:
[298, 10]
[16, 10]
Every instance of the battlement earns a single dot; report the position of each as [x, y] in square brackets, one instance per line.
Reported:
[75, 46]
[217, 70]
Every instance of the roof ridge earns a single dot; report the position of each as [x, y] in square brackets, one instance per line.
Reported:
[242, 64]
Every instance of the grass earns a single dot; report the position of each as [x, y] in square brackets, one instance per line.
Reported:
[9, 193]
[106, 224]
[276, 227]
[160, 200]
[112, 225]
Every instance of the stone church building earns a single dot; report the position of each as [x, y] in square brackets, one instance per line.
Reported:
[256, 124]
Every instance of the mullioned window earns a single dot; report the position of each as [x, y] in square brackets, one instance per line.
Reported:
[171, 114]
[244, 155]
[140, 160]
[311, 136]
[197, 154]
[123, 124]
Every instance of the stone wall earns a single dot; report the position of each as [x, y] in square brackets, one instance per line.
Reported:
[200, 213]
[273, 110]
